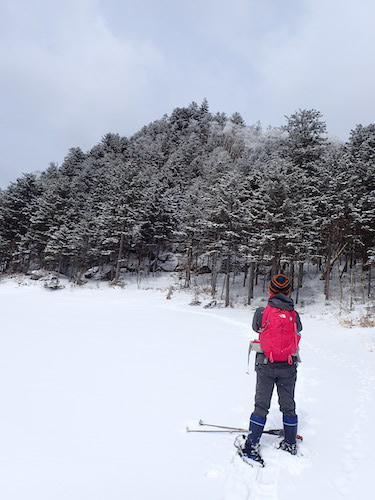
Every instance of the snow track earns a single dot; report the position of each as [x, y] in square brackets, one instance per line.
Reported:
[334, 394]
[350, 380]
[97, 387]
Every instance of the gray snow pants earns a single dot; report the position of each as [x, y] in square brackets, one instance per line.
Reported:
[281, 374]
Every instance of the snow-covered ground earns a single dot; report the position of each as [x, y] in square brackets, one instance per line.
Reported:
[97, 386]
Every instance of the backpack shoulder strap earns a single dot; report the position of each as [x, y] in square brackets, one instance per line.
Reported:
[265, 317]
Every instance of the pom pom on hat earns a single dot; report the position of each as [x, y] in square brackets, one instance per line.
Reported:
[280, 284]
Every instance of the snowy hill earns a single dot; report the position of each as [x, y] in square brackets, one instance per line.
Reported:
[99, 384]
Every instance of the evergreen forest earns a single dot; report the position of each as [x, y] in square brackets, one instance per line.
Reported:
[206, 193]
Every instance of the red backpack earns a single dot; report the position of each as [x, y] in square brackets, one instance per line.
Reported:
[278, 336]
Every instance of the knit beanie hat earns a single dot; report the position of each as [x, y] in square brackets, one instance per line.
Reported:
[280, 284]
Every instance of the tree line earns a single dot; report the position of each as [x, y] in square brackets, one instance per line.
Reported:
[223, 196]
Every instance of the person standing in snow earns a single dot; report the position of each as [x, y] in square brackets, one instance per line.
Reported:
[279, 328]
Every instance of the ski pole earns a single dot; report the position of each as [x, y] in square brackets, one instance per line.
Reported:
[228, 431]
[240, 429]
[274, 432]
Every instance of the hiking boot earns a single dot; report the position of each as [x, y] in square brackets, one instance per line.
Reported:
[249, 453]
[290, 448]
[252, 452]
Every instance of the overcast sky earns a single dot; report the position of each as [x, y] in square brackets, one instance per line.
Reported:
[73, 70]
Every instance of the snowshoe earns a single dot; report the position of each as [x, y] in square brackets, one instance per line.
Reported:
[290, 448]
[251, 455]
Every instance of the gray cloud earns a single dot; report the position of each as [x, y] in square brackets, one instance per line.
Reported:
[68, 84]
[325, 64]
[72, 71]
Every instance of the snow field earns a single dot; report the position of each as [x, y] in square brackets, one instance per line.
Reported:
[97, 387]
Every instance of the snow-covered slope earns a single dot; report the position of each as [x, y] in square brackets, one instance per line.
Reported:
[97, 387]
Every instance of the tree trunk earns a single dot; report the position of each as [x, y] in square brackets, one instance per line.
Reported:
[234, 271]
[264, 282]
[188, 266]
[245, 275]
[227, 283]
[351, 300]
[291, 275]
[250, 290]
[119, 256]
[299, 279]
[363, 285]
[369, 282]
[341, 287]
[329, 267]
[300, 274]
[327, 275]
[214, 275]
[275, 265]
